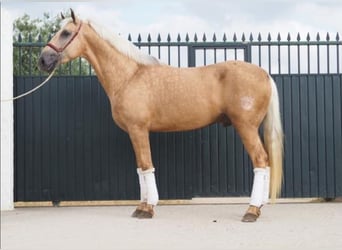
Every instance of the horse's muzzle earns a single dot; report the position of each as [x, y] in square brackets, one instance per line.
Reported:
[48, 61]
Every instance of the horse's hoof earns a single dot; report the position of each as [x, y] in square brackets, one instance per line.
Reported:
[136, 213]
[252, 214]
[145, 215]
[249, 217]
[139, 209]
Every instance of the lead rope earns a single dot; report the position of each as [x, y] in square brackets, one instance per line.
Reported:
[30, 91]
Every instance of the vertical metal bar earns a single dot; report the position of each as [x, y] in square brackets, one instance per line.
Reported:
[205, 56]
[169, 54]
[179, 57]
[158, 50]
[69, 67]
[338, 58]
[191, 56]
[259, 52]
[20, 60]
[318, 53]
[30, 56]
[279, 57]
[309, 61]
[225, 54]
[269, 58]
[38, 48]
[80, 66]
[318, 61]
[215, 55]
[289, 58]
[169, 49]
[248, 53]
[298, 57]
[158, 46]
[328, 57]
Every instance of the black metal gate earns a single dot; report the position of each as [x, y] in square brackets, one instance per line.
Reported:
[68, 148]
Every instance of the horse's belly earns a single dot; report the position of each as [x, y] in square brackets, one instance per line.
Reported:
[186, 107]
[183, 119]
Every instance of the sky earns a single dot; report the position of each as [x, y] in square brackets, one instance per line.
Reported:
[198, 16]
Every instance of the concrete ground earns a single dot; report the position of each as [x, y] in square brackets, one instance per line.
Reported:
[281, 226]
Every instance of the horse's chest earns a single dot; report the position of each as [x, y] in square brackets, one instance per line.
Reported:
[118, 116]
[129, 113]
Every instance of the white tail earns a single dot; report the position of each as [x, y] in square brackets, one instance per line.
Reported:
[273, 136]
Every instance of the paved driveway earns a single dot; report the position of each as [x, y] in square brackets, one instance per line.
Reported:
[281, 226]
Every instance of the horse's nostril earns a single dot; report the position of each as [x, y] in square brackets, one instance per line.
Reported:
[42, 61]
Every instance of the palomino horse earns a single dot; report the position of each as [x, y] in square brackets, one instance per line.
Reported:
[146, 95]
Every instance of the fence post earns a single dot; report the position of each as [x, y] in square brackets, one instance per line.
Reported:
[248, 53]
[191, 56]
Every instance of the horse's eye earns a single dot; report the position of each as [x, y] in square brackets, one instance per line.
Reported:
[65, 33]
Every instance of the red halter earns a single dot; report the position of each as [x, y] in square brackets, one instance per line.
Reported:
[60, 50]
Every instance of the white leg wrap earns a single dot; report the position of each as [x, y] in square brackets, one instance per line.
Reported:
[266, 186]
[258, 187]
[151, 186]
[143, 188]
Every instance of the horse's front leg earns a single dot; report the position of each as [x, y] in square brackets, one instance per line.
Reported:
[148, 188]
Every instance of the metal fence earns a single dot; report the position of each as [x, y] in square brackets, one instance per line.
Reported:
[68, 148]
[277, 56]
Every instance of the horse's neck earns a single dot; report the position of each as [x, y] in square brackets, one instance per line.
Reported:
[112, 68]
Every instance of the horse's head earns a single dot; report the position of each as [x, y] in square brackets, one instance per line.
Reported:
[65, 46]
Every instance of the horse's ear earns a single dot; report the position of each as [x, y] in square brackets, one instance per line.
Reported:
[62, 16]
[73, 16]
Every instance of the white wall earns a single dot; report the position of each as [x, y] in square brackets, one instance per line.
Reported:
[7, 164]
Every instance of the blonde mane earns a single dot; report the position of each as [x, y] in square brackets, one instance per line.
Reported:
[122, 45]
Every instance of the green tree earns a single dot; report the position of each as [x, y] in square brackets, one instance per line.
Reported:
[30, 36]
[27, 27]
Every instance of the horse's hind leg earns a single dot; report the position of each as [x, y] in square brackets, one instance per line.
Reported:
[148, 187]
[260, 191]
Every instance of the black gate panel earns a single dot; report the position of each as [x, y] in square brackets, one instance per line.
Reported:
[311, 113]
[67, 146]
